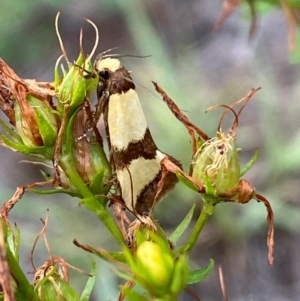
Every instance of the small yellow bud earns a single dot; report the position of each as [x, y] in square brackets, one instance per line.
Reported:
[155, 266]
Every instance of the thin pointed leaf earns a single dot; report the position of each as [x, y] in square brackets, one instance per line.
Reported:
[13, 241]
[252, 161]
[181, 228]
[54, 191]
[85, 296]
[24, 290]
[199, 275]
[10, 131]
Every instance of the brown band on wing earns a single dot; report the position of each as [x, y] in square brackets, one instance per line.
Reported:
[144, 201]
[145, 148]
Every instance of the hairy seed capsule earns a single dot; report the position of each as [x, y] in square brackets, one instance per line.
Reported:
[217, 162]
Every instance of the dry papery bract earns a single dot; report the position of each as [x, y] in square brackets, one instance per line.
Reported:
[14, 91]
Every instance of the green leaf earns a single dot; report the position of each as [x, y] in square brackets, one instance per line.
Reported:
[10, 131]
[131, 295]
[252, 161]
[85, 296]
[181, 228]
[199, 275]
[40, 151]
[54, 191]
[46, 121]
[24, 289]
[13, 241]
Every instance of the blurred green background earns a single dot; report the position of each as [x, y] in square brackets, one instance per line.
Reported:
[198, 67]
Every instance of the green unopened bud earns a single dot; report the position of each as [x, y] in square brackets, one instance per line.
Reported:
[77, 82]
[90, 159]
[35, 122]
[155, 267]
[217, 162]
[54, 287]
[180, 276]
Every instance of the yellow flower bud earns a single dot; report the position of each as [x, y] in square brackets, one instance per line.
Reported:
[155, 266]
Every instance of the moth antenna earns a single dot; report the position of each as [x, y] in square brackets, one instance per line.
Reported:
[126, 55]
[59, 39]
[132, 204]
[96, 41]
[142, 86]
[101, 55]
[148, 90]
[131, 186]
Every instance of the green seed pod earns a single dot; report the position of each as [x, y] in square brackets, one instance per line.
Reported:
[71, 90]
[217, 162]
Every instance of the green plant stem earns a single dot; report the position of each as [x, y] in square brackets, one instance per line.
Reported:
[207, 210]
[89, 200]
[67, 163]
[167, 298]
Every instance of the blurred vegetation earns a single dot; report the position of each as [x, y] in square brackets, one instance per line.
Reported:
[198, 67]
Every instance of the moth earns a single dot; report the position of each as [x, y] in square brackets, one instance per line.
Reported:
[135, 156]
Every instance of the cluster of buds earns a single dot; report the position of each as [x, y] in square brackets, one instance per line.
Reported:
[28, 105]
[54, 121]
[217, 161]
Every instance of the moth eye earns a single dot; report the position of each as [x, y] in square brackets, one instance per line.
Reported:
[104, 74]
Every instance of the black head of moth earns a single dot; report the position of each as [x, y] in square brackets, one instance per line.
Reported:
[135, 156]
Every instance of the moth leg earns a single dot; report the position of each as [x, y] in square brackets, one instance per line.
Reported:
[119, 212]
